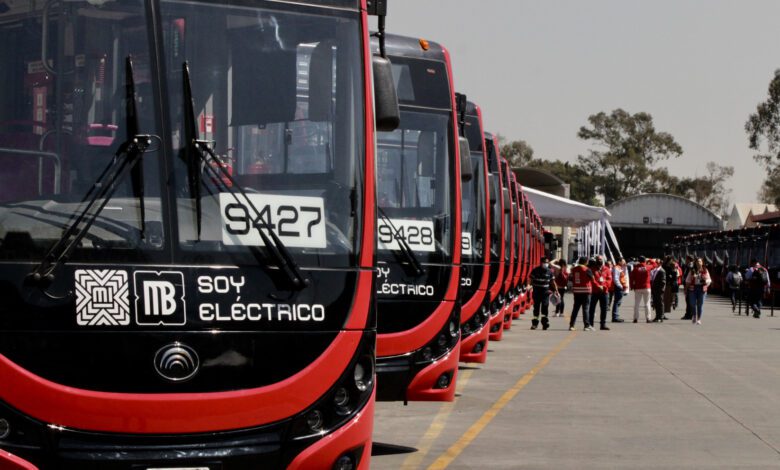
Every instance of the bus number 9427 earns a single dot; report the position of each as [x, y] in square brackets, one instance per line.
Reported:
[297, 220]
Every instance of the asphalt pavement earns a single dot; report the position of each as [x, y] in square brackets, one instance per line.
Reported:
[668, 395]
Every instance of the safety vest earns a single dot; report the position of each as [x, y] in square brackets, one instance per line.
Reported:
[580, 280]
[541, 277]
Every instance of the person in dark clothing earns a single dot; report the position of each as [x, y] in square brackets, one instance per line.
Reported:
[581, 287]
[602, 276]
[562, 283]
[542, 279]
[757, 279]
[688, 306]
[657, 288]
[734, 283]
[672, 284]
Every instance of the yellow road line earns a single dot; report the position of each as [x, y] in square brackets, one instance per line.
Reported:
[437, 426]
[456, 449]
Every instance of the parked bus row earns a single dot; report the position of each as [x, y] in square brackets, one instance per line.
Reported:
[726, 248]
[227, 229]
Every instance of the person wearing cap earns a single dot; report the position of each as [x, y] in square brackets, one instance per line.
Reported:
[581, 279]
[542, 279]
[602, 277]
[640, 284]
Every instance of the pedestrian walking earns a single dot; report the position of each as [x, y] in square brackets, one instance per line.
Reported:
[680, 280]
[562, 283]
[619, 288]
[542, 279]
[602, 277]
[657, 289]
[640, 284]
[686, 269]
[757, 279]
[734, 284]
[672, 284]
[696, 284]
[581, 287]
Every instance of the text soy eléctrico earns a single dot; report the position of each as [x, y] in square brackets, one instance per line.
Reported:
[388, 288]
[250, 311]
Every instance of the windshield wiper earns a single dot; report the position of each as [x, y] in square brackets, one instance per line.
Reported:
[199, 155]
[126, 159]
[403, 245]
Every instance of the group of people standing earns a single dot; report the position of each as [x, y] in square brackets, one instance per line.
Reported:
[599, 284]
[755, 282]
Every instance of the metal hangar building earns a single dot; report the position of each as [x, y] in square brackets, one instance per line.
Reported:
[643, 224]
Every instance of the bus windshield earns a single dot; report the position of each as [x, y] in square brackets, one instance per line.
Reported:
[62, 121]
[413, 184]
[277, 94]
[473, 213]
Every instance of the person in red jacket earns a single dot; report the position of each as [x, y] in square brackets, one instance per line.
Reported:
[640, 284]
[602, 277]
[562, 283]
[581, 278]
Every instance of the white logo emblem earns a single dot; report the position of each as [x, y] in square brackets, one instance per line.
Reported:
[159, 298]
[102, 297]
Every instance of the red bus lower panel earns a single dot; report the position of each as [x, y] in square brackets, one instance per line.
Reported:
[355, 437]
[497, 327]
[325, 423]
[437, 381]
[473, 348]
[12, 462]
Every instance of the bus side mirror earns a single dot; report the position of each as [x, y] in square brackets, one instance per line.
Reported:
[466, 172]
[387, 114]
[507, 200]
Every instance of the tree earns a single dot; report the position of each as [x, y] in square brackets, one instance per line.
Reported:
[770, 190]
[518, 152]
[580, 183]
[628, 146]
[763, 129]
[710, 190]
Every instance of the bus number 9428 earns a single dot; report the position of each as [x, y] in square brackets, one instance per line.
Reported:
[419, 234]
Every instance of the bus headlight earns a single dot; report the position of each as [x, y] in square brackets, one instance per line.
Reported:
[341, 397]
[345, 462]
[5, 428]
[314, 420]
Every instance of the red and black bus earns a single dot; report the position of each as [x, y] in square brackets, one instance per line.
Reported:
[509, 242]
[419, 230]
[518, 234]
[498, 245]
[524, 296]
[475, 243]
[187, 234]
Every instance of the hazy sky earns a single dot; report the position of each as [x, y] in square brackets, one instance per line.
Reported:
[540, 68]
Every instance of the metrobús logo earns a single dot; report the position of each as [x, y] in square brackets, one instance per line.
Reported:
[159, 298]
[102, 297]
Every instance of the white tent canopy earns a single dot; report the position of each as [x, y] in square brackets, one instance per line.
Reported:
[561, 212]
[594, 236]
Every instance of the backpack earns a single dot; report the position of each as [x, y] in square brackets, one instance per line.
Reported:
[735, 280]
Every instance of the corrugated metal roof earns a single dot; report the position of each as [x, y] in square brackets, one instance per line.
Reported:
[662, 211]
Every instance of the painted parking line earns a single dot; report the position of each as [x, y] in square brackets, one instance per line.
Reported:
[437, 426]
[445, 459]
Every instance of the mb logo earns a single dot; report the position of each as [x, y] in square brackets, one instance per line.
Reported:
[159, 298]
